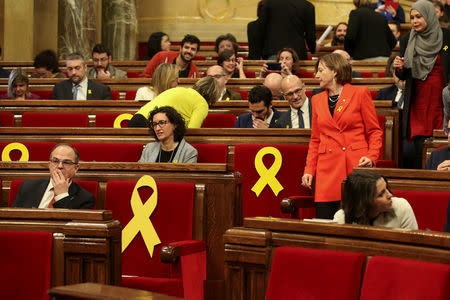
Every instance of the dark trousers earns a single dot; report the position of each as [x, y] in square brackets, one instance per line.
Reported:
[326, 210]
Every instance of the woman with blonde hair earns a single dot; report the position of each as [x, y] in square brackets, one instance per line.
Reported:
[18, 86]
[165, 77]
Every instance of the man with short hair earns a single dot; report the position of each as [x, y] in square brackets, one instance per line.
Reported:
[396, 29]
[262, 114]
[218, 73]
[395, 92]
[101, 56]
[273, 82]
[78, 87]
[59, 191]
[183, 59]
[299, 114]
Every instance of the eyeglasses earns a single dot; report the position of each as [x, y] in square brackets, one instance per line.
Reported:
[103, 59]
[297, 91]
[218, 76]
[161, 123]
[65, 162]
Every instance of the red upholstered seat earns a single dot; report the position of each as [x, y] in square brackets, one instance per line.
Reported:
[133, 74]
[43, 94]
[114, 152]
[300, 273]
[115, 95]
[308, 94]
[219, 121]
[211, 153]
[244, 94]
[7, 119]
[382, 74]
[90, 186]
[107, 120]
[250, 74]
[172, 219]
[38, 151]
[130, 95]
[25, 260]
[267, 203]
[374, 94]
[429, 207]
[397, 278]
[366, 74]
[55, 120]
[305, 74]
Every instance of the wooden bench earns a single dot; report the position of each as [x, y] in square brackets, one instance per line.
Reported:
[249, 249]
[438, 140]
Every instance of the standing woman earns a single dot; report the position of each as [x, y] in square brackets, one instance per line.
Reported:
[424, 64]
[344, 133]
[157, 41]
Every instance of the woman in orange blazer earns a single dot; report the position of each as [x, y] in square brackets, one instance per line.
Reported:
[344, 134]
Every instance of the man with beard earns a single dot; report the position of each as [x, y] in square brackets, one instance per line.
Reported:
[101, 56]
[339, 34]
[183, 59]
[78, 87]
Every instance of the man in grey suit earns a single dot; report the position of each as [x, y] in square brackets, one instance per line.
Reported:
[78, 87]
[299, 114]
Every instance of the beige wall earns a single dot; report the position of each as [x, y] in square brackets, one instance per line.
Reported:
[18, 29]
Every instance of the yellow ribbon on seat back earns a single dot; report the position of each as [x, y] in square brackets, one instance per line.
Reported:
[15, 146]
[268, 176]
[122, 117]
[141, 219]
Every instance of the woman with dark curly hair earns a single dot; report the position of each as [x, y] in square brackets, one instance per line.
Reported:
[46, 65]
[367, 200]
[168, 128]
[230, 63]
[288, 60]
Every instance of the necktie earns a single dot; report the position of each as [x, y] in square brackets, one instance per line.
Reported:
[301, 123]
[50, 205]
[400, 101]
[75, 91]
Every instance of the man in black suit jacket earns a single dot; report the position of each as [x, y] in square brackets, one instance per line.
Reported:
[78, 87]
[394, 92]
[288, 23]
[262, 115]
[59, 191]
[440, 159]
[294, 92]
[218, 73]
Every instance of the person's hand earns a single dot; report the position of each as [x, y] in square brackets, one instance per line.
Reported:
[391, 10]
[264, 70]
[258, 123]
[240, 63]
[380, 8]
[285, 71]
[318, 46]
[399, 62]
[307, 180]
[444, 166]
[365, 162]
[60, 183]
[101, 74]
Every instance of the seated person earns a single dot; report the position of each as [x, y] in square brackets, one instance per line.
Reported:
[157, 41]
[299, 114]
[101, 56]
[440, 11]
[227, 41]
[191, 103]
[59, 191]
[164, 78]
[18, 86]
[389, 12]
[168, 128]
[350, 61]
[440, 159]
[78, 87]
[273, 82]
[46, 65]
[288, 59]
[394, 92]
[184, 59]
[218, 73]
[262, 115]
[367, 200]
[339, 34]
[234, 67]
[396, 30]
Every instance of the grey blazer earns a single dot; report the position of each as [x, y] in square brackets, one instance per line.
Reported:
[185, 153]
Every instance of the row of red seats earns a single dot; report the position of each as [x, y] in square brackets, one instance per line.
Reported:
[300, 273]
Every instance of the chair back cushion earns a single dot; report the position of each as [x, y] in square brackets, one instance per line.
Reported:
[219, 121]
[7, 119]
[114, 152]
[37, 151]
[211, 153]
[108, 119]
[55, 120]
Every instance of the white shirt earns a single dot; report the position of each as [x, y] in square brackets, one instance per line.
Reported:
[145, 93]
[50, 194]
[305, 114]
[397, 97]
[82, 89]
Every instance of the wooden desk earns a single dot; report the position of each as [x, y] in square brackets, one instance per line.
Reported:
[95, 291]
[86, 243]
[249, 249]
[438, 140]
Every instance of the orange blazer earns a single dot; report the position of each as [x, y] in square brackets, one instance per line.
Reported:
[338, 142]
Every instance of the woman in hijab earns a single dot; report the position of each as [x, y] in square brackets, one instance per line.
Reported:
[424, 64]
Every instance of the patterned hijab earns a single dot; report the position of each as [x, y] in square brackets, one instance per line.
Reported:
[423, 47]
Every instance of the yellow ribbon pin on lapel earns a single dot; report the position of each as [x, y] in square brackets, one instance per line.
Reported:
[122, 117]
[141, 220]
[268, 176]
[15, 146]
[339, 108]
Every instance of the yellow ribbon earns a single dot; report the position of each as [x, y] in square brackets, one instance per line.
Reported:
[122, 117]
[339, 108]
[141, 222]
[268, 176]
[15, 146]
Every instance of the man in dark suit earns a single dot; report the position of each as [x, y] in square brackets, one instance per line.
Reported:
[78, 87]
[59, 191]
[394, 92]
[440, 159]
[288, 23]
[299, 114]
[218, 73]
[262, 115]
[254, 35]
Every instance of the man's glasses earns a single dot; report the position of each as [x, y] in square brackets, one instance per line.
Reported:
[161, 123]
[297, 91]
[64, 162]
[103, 59]
[217, 76]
